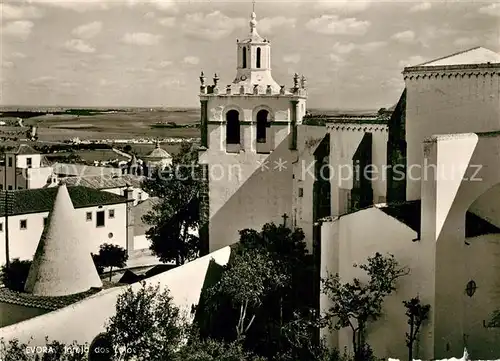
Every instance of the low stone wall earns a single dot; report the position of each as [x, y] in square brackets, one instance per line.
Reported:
[84, 320]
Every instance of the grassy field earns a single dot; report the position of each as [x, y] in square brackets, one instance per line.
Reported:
[121, 125]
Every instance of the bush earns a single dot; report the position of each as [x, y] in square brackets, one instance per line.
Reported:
[15, 275]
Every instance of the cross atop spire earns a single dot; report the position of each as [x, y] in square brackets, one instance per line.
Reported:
[253, 6]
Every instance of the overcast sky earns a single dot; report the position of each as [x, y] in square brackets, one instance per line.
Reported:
[136, 53]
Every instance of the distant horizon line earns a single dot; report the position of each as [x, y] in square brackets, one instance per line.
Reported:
[158, 107]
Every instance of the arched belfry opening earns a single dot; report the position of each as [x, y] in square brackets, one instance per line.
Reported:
[244, 58]
[262, 125]
[259, 51]
[232, 127]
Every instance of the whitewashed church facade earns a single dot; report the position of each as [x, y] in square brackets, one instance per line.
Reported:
[267, 162]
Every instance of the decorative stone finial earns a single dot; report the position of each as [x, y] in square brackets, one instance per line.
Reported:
[253, 22]
[202, 79]
[216, 79]
[303, 82]
[296, 80]
[282, 89]
[269, 90]
[228, 89]
[255, 89]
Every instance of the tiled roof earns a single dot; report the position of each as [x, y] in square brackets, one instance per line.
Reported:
[42, 200]
[477, 55]
[25, 149]
[158, 153]
[43, 302]
[105, 181]
[81, 170]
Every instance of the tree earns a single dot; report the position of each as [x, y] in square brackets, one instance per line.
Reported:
[275, 268]
[147, 325]
[288, 252]
[356, 303]
[417, 314]
[214, 350]
[15, 275]
[111, 255]
[13, 350]
[495, 319]
[178, 212]
[246, 280]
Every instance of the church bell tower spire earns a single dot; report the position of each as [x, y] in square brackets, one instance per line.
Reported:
[254, 60]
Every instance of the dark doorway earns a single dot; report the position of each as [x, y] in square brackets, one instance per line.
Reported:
[99, 221]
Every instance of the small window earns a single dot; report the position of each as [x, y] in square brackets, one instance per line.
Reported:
[471, 288]
[10, 188]
[1, 187]
[111, 213]
[10, 161]
[99, 219]
[29, 163]
[301, 192]
[89, 216]
[45, 221]
[258, 58]
[110, 235]
[23, 224]
[1, 227]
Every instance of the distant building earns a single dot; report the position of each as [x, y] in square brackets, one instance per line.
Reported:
[25, 168]
[158, 158]
[107, 218]
[63, 170]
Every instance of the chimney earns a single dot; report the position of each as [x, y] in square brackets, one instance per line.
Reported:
[129, 194]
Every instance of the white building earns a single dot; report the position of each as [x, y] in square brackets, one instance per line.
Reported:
[107, 218]
[265, 163]
[25, 168]
[250, 121]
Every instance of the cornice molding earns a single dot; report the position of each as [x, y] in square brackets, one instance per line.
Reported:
[358, 127]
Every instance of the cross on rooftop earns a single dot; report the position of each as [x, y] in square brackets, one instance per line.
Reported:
[285, 217]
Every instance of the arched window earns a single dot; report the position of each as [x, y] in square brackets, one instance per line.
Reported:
[258, 58]
[244, 58]
[262, 124]
[232, 127]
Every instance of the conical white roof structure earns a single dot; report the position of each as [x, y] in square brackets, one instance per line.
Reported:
[63, 264]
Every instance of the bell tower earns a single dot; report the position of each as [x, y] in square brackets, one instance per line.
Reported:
[248, 144]
[254, 59]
